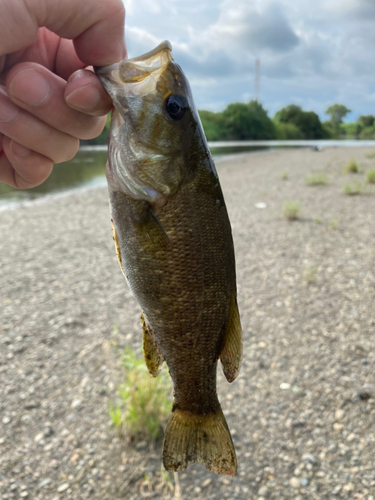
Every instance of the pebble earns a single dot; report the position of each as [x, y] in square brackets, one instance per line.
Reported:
[76, 403]
[31, 405]
[294, 482]
[307, 457]
[206, 483]
[337, 427]
[304, 482]
[39, 437]
[349, 487]
[24, 494]
[45, 482]
[284, 386]
[263, 491]
[62, 487]
[339, 414]
[6, 420]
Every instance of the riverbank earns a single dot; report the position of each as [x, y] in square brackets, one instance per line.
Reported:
[302, 412]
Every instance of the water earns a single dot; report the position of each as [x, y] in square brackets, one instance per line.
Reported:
[87, 169]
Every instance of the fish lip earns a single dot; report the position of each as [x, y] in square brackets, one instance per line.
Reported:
[108, 76]
[132, 71]
[166, 45]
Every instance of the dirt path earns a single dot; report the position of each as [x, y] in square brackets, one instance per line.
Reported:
[302, 412]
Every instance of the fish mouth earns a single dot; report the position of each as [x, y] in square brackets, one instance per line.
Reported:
[137, 76]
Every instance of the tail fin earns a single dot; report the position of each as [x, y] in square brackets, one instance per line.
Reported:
[193, 438]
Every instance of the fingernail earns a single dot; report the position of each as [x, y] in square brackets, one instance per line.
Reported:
[84, 99]
[30, 87]
[18, 149]
[8, 110]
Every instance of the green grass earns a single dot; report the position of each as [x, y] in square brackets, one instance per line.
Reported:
[309, 274]
[285, 175]
[371, 155]
[144, 402]
[352, 189]
[352, 167]
[318, 219]
[334, 223]
[370, 176]
[316, 180]
[291, 210]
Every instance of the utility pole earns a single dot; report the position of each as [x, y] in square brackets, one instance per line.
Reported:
[257, 67]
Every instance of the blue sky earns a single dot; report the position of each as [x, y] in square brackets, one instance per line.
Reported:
[313, 53]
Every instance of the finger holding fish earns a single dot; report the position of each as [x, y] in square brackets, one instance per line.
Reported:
[33, 133]
[40, 92]
[22, 168]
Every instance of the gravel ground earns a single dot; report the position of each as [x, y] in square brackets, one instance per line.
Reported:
[302, 412]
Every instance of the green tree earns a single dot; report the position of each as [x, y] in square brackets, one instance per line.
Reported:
[307, 122]
[351, 129]
[337, 112]
[366, 120]
[213, 125]
[247, 121]
[287, 131]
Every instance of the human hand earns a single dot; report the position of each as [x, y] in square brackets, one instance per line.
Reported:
[48, 101]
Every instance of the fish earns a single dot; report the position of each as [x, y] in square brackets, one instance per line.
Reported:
[174, 245]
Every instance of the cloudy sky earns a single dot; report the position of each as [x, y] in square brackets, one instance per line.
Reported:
[312, 52]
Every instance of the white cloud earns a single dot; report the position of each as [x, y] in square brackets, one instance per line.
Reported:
[312, 53]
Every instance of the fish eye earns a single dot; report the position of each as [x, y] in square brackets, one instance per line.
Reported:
[175, 106]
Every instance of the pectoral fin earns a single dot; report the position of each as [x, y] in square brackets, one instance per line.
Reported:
[153, 356]
[231, 353]
[155, 231]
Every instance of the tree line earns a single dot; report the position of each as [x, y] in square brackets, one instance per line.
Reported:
[250, 121]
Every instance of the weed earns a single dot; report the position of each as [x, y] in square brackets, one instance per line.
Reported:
[291, 210]
[352, 189]
[309, 274]
[371, 155]
[285, 175]
[145, 402]
[318, 219]
[334, 223]
[352, 167]
[115, 414]
[370, 176]
[316, 180]
[160, 484]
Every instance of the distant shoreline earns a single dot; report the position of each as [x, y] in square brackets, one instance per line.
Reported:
[100, 181]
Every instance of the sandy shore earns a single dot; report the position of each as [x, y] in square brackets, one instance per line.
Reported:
[302, 412]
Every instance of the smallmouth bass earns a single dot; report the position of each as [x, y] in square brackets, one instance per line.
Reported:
[174, 245]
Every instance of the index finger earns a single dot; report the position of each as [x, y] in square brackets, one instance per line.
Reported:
[97, 27]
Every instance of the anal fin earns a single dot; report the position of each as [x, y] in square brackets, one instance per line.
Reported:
[193, 438]
[231, 353]
[153, 356]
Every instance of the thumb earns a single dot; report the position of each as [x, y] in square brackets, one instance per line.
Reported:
[96, 26]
